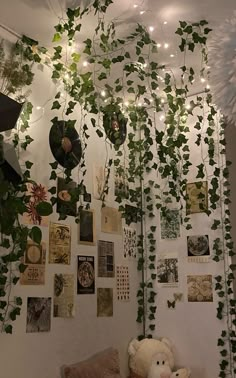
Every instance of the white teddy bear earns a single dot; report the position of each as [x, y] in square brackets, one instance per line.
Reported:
[181, 373]
[159, 367]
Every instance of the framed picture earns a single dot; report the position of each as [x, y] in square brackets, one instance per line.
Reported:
[197, 197]
[86, 228]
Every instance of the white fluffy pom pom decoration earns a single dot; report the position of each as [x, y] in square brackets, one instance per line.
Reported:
[222, 60]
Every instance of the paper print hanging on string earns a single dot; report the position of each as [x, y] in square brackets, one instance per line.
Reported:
[65, 144]
[65, 205]
[130, 242]
[86, 227]
[34, 259]
[85, 275]
[122, 283]
[104, 302]
[200, 288]
[98, 182]
[105, 259]
[63, 302]
[114, 124]
[38, 314]
[167, 271]
[170, 224]
[198, 248]
[59, 243]
[38, 193]
[111, 220]
[121, 187]
[197, 197]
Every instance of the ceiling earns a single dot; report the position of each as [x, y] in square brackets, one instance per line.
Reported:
[37, 18]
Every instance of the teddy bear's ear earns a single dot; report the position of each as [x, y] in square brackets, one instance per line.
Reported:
[133, 347]
[167, 342]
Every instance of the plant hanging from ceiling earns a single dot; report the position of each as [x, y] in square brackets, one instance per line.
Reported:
[15, 76]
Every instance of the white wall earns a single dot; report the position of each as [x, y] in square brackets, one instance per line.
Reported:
[192, 327]
[40, 355]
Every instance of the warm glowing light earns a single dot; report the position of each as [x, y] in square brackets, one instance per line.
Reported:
[126, 103]
[162, 117]
[66, 76]
[208, 86]
[203, 80]
[85, 63]
[166, 45]
[145, 65]
[141, 12]
[151, 28]
[151, 100]
[105, 100]
[165, 22]
[172, 55]
[38, 107]
[188, 107]
[103, 93]
[162, 100]
[135, 5]
[139, 104]
[158, 44]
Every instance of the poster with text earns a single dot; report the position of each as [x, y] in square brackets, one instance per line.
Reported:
[59, 244]
[122, 283]
[200, 288]
[104, 302]
[198, 248]
[167, 271]
[111, 220]
[170, 224]
[129, 242]
[38, 314]
[85, 275]
[105, 259]
[63, 303]
[34, 259]
[37, 193]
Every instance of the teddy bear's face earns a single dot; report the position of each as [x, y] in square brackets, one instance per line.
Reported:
[160, 367]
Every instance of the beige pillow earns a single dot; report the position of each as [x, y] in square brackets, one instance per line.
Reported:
[101, 365]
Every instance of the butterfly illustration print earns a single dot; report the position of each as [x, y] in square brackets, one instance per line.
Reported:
[170, 304]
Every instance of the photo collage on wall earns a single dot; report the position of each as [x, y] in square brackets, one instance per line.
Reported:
[199, 287]
[36, 258]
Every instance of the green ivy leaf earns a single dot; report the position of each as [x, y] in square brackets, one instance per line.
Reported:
[44, 208]
[36, 234]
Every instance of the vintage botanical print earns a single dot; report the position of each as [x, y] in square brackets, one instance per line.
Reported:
[59, 243]
[200, 288]
[170, 224]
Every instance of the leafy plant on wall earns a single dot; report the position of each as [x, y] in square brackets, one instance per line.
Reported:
[16, 75]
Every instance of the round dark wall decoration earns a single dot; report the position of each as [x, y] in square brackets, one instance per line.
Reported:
[115, 127]
[65, 144]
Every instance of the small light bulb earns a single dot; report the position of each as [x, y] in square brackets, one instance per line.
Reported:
[66, 76]
[162, 117]
[165, 22]
[187, 106]
[105, 100]
[208, 86]
[158, 44]
[38, 107]
[141, 12]
[151, 100]
[103, 93]
[139, 104]
[126, 103]
[145, 65]
[172, 56]
[151, 28]
[135, 5]
[62, 95]
[166, 45]
[203, 80]
[85, 63]
[162, 100]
